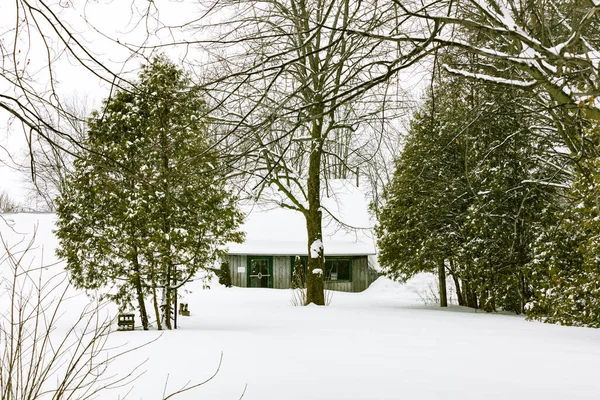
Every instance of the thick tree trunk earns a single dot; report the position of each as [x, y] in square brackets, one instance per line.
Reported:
[140, 299]
[475, 299]
[442, 280]
[316, 260]
[315, 292]
[485, 300]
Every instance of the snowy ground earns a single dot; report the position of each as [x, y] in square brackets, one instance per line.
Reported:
[383, 343]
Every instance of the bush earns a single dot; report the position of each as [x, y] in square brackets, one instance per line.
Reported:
[299, 275]
[224, 274]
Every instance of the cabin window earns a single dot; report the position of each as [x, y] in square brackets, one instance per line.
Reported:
[337, 269]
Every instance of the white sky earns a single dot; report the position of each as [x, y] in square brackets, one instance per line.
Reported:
[94, 23]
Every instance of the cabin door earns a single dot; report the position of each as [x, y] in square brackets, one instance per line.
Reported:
[260, 272]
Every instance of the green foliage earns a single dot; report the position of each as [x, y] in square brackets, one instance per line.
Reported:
[466, 190]
[224, 274]
[147, 204]
[416, 224]
[565, 271]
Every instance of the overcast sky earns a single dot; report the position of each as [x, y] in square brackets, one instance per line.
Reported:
[99, 25]
[102, 26]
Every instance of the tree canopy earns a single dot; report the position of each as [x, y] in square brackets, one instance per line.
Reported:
[148, 206]
[468, 192]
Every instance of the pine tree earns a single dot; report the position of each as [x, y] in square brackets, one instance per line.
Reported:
[147, 205]
[465, 193]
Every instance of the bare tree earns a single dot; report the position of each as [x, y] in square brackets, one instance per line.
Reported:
[42, 356]
[37, 357]
[301, 98]
[548, 45]
[38, 41]
[302, 92]
[7, 204]
[47, 166]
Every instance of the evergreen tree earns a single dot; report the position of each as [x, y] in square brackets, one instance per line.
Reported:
[224, 274]
[425, 200]
[565, 271]
[466, 193]
[147, 205]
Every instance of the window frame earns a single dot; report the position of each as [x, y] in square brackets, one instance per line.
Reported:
[349, 259]
[304, 260]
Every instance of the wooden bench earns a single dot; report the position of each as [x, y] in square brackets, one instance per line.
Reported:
[126, 322]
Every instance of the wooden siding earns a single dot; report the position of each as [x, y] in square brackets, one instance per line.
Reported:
[282, 272]
[342, 286]
[238, 278]
[362, 276]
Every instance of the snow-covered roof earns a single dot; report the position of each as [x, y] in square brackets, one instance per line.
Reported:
[273, 230]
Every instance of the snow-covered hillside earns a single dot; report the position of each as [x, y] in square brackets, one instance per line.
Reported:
[383, 343]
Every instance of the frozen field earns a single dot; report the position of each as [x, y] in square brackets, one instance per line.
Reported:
[383, 343]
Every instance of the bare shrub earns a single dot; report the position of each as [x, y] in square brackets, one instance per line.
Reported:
[7, 204]
[431, 293]
[298, 297]
[44, 356]
[38, 356]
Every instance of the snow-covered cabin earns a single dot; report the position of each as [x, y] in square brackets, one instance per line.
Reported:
[276, 235]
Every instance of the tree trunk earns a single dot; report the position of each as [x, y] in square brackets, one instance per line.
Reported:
[523, 289]
[470, 295]
[485, 300]
[316, 260]
[137, 281]
[475, 299]
[315, 292]
[167, 260]
[156, 309]
[442, 280]
[175, 311]
[459, 295]
[167, 300]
